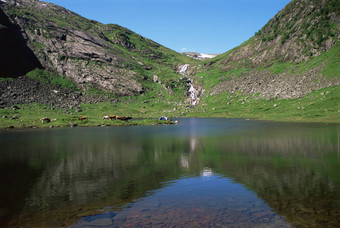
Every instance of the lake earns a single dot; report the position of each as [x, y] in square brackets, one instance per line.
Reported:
[199, 173]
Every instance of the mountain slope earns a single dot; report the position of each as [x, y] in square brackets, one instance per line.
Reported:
[106, 57]
[295, 53]
[300, 31]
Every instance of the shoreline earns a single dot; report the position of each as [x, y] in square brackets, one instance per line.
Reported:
[154, 122]
[285, 120]
[142, 122]
[92, 115]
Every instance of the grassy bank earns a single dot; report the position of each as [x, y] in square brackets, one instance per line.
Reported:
[318, 106]
[30, 116]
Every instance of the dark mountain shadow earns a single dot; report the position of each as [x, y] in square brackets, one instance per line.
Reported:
[16, 58]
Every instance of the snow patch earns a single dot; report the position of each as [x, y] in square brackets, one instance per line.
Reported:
[199, 56]
[208, 56]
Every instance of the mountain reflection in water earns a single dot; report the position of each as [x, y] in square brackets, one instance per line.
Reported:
[202, 172]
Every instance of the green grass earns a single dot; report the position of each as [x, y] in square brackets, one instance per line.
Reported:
[280, 67]
[318, 106]
[30, 117]
[45, 76]
[38, 45]
[5, 79]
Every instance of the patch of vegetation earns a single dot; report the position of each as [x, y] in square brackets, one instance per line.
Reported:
[280, 67]
[316, 26]
[38, 45]
[329, 61]
[45, 76]
[5, 79]
[97, 92]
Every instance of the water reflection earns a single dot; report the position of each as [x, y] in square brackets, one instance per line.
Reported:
[213, 171]
[207, 172]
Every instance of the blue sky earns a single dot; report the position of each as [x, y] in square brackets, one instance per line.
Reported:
[205, 26]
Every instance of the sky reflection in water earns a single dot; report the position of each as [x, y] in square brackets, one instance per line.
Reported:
[205, 201]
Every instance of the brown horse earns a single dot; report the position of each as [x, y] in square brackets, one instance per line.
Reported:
[112, 117]
[123, 118]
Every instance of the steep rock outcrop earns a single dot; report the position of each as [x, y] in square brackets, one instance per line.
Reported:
[73, 48]
[282, 86]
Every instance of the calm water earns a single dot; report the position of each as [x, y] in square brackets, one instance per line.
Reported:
[199, 173]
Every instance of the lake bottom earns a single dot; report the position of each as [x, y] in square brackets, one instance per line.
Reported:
[206, 201]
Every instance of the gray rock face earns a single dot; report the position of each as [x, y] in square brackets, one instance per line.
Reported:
[282, 85]
[87, 61]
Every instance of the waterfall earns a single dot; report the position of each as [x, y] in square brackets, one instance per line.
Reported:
[183, 69]
[193, 94]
